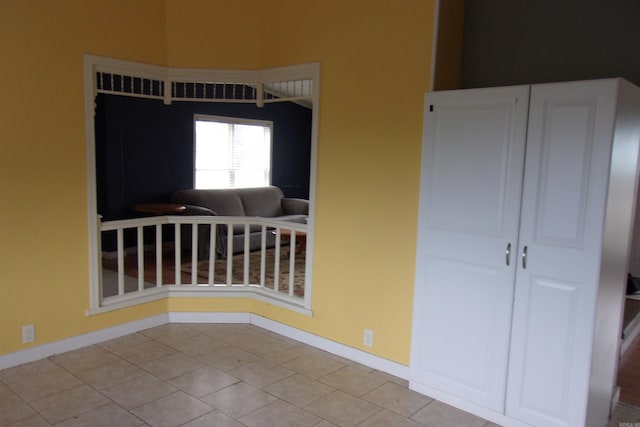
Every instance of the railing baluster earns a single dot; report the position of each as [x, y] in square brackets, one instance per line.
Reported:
[276, 265]
[246, 255]
[263, 257]
[158, 255]
[212, 255]
[229, 254]
[140, 258]
[194, 254]
[292, 261]
[178, 261]
[120, 235]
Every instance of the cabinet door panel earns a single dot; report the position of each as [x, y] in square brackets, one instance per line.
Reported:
[458, 349]
[470, 197]
[469, 168]
[550, 308]
[564, 197]
[567, 144]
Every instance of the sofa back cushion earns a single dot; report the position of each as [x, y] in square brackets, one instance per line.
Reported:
[224, 202]
[263, 201]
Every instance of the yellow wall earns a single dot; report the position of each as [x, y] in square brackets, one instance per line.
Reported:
[375, 62]
[214, 33]
[43, 202]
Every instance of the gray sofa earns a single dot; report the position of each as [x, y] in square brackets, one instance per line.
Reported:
[268, 202]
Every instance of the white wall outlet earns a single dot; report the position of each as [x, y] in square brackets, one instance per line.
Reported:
[368, 338]
[28, 334]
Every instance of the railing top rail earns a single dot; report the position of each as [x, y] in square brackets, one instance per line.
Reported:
[197, 219]
[133, 222]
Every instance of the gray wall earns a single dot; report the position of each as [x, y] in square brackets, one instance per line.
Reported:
[510, 42]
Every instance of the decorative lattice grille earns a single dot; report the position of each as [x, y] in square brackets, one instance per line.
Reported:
[129, 85]
[221, 92]
[245, 92]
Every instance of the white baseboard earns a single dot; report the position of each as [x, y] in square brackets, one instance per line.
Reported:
[73, 343]
[46, 350]
[205, 317]
[466, 406]
[359, 356]
[367, 359]
[630, 333]
[615, 399]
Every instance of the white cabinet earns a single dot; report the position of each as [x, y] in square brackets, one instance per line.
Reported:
[526, 211]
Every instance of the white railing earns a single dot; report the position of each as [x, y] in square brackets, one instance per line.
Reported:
[144, 265]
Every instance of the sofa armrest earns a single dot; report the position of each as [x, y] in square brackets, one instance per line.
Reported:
[291, 206]
[194, 210]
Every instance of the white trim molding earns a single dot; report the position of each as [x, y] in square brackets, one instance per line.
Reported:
[68, 344]
[91, 338]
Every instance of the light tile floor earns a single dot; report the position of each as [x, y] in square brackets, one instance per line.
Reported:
[226, 375]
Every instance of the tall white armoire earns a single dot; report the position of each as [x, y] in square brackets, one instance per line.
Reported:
[527, 205]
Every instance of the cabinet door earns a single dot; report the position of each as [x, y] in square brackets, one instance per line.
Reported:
[564, 195]
[471, 180]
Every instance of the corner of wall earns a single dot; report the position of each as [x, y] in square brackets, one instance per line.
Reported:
[447, 66]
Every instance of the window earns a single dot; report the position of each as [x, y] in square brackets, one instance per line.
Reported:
[232, 152]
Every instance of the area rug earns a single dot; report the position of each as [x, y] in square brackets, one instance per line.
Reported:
[237, 275]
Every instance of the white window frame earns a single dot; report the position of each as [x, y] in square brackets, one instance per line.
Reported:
[165, 77]
[230, 121]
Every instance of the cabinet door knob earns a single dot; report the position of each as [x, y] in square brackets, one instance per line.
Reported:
[524, 257]
[508, 254]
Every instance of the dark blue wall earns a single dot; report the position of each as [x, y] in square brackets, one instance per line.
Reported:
[144, 149]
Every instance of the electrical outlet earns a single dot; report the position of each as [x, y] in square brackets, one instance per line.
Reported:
[368, 338]
[28, 334]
